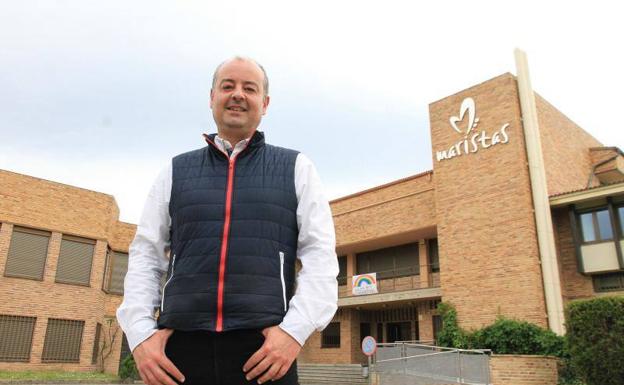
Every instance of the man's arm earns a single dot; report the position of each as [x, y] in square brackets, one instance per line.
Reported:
[315, 300]
[146, 265]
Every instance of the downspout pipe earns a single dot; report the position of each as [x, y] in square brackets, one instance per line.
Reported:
[543, 219]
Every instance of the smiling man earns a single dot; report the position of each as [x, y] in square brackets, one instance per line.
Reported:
[233, 218]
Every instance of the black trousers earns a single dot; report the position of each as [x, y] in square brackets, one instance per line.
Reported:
[210, 358]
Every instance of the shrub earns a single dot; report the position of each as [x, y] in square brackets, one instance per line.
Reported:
[596, 339]
[128, 369]
[507, 336]
[451, 335]
[504, 336]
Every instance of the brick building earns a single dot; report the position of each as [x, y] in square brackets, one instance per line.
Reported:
[63, 256]
[497, 227]
[481, 230]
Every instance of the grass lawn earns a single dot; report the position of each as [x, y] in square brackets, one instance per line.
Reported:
[56, 375]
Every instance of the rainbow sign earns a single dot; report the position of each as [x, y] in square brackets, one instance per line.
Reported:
[364, 284]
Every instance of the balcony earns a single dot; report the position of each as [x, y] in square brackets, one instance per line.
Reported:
[391, 286]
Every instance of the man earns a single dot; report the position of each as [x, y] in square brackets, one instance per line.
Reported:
[234, 215]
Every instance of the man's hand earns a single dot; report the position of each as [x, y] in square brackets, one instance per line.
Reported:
[152, 363]
[274, 356]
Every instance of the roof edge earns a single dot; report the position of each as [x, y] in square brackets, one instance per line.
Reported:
[379, 187]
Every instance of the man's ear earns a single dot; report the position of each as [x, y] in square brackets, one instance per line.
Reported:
[211, 97]
[265, 104]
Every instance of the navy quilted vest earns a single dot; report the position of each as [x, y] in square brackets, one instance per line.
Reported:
[233, 238]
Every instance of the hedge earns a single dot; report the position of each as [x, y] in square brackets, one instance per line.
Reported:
[595, 332]
[504, 336]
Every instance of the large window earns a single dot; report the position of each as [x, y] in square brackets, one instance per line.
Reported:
[391, 262]
[75, 260]
[62, 341]
[16, 338]
[116, 269]
[609, 282]
[342, 275]
[27, 253]
[620, 211]
[330, 336]
[596, 226]
[434, 256]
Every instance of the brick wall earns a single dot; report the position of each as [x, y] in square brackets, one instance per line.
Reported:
[312, 353]
[523, 370]
[489, 260]
[565, 147]
[574, 285]
[61, 209]
[397, 213]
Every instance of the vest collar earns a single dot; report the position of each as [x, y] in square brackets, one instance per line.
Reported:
[256, 141]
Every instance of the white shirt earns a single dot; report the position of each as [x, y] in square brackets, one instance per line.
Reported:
[315, 300]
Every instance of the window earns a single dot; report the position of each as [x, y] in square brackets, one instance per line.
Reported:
[96, 343]
[390, 262]
[62, 341]
[27, 253]
[330, 336]
[380, 336]
[16, 334]
[620, 211]
[608, 282]
[365, 330]
[115, 272]
[434, 257]
[596, 226]
[75, 260]
[437, 327]
[342, 275]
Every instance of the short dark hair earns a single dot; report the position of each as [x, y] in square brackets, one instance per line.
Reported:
[243, 58]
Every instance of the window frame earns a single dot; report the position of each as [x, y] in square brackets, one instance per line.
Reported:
[620, 276]
[87, 241]
[45, 359]
[433, 268]
[330, 345]
[596, 227]
[342, 279]
[23, 319]
[390, 273]
[32, 231]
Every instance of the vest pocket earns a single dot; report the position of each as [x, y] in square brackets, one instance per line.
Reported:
[162, 301]
[281, 255]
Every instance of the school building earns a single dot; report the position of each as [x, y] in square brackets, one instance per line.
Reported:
[522, 212]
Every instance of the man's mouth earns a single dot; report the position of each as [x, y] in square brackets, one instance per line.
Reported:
[236, 108]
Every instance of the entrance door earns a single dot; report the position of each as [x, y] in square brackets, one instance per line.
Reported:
[398, 331]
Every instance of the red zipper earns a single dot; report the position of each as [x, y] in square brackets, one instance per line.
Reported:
[226, 232]
[224, 243]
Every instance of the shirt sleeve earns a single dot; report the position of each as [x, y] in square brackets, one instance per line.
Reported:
[147, 263]
[315, 301]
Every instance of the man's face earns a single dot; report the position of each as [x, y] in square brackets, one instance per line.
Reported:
[237, 99]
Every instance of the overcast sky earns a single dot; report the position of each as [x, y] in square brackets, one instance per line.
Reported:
[101, 94]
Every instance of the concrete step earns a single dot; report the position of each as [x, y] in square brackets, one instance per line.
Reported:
[322, 374]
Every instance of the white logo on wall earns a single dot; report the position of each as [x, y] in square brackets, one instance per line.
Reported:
[473, 141]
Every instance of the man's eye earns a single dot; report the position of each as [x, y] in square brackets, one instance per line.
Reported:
[250, 89]
[227, 87]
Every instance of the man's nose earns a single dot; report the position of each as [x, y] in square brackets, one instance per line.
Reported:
[238, 94]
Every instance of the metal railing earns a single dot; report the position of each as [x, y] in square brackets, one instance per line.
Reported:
[420, 364]
[394, 280]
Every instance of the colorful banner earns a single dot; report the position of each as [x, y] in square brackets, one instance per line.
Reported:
[364, 284]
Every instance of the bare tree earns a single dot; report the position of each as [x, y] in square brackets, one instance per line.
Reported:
[107, 341]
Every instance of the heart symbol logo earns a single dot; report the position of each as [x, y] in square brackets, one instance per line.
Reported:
[468, 104]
